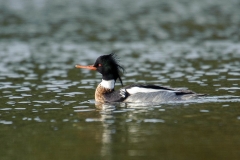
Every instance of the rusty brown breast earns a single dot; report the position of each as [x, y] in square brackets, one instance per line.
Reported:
[99, 93]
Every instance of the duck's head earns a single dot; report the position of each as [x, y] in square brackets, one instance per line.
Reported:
[108, 66]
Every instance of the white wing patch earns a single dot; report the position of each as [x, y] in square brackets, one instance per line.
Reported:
[122, 93]
[134, 90]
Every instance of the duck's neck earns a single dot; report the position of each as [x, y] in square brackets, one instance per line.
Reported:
[106, 86]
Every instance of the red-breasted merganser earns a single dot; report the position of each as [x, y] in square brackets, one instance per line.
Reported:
[110, 69]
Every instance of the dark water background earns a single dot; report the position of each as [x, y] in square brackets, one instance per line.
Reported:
[47, 108]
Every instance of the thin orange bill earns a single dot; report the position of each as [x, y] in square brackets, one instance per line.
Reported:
[91, 67]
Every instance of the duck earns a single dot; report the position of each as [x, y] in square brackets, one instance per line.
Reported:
[110, 69]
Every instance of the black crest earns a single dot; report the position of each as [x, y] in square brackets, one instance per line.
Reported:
[109, 67]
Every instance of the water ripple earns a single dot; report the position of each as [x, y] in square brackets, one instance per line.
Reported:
[154, 121]
[84, 110]
[6, 122]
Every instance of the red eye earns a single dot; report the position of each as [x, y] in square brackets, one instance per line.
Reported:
[99, 65]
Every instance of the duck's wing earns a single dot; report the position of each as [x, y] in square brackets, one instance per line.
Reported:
[146, 88]
[149, 93]
[153, 93]
[116, 96]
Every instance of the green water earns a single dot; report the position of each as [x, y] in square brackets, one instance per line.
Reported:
[47, 108]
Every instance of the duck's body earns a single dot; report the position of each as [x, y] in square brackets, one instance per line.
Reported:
[142, 93]
[105, 92]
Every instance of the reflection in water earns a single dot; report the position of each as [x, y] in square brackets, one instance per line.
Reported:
[107, 133]
[164, 136]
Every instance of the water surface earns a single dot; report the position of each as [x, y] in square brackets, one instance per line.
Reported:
[47, 108]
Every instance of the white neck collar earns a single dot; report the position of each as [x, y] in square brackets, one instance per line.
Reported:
[109, 84]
